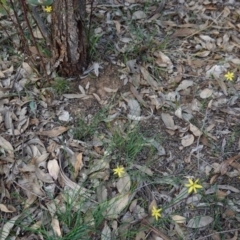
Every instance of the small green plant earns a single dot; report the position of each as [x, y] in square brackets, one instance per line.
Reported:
[128, 144]
[85, 129]
[60, 85]
[92, 46]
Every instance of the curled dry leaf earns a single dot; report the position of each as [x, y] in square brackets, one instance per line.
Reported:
[187, 140]
[178, 219]
[203, 54]
[195, 130]
[54, 132]
[3, 208]
[53, 168]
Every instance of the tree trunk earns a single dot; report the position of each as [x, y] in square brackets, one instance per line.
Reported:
[68, 37]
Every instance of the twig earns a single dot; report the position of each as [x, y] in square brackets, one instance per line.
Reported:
[41, 25]
[18, 26]
[231, 230]
[7, 37]
[198, 140]
[24, 6]
[205, 28]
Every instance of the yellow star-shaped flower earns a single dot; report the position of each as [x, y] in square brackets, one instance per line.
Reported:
[229, 76]
[156, 212]
[193, 186]
[119, 171]
[48, 9]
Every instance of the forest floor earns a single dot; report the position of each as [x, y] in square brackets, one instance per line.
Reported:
[145, 146]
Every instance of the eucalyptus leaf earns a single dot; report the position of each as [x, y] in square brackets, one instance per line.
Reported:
[33, 107]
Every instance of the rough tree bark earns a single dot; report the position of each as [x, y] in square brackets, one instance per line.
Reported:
[68, 37]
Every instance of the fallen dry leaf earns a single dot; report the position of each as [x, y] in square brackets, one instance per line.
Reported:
[199, 221]
[7, 146]
[54, 132]
[162, 60]
[168, 121]
[78, 164]
[195, 130]
[124, 184]
[137, 96]
[3, 208]
[206, 93]
[139, 15]
[53, 168]
[149, 79]
[226, 163]
[116, 205]
[106, 232]
[187, 140]
[178, 219]
[184, 32]
[56, 227]
[184, 85]
[8, 226]
[221, 194]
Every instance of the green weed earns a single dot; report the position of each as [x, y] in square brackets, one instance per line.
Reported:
[85, 129]
[60, 85]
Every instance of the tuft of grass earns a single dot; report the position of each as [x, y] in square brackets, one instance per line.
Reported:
[127, 144]
[60, 85]
[85, 128]
[93, 40]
